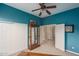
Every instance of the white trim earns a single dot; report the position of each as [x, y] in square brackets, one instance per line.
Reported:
[72, 52]
[14, 54]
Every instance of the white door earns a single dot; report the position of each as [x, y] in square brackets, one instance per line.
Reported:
[42, 35]
[13, 37]
[60, 37]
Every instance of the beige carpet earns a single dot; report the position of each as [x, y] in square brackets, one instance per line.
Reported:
[48, 48]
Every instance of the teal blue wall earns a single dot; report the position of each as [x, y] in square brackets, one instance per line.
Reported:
[11, 14]
[67, 17]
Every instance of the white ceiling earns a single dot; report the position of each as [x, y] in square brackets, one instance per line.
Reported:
[28, 7]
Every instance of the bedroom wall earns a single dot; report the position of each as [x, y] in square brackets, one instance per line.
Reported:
[67, 17]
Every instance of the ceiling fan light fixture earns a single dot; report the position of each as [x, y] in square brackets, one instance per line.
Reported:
[43, 7]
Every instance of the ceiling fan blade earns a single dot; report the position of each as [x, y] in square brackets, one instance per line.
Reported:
[40, 13]
[36, 9]
[51, 6]
[48, 12]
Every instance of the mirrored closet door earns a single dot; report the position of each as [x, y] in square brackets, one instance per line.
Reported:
[34, 35]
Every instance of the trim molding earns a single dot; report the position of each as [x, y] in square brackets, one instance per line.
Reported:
[16, 53]
[72, 52]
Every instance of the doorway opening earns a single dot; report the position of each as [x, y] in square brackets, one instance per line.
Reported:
[47, 35]
[52, 36]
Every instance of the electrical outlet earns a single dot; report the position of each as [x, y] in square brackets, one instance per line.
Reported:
[73, 47]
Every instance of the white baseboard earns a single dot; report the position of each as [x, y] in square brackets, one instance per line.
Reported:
[15, 54]
[72, 52]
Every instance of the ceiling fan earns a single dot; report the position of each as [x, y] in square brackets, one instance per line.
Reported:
[43, 7]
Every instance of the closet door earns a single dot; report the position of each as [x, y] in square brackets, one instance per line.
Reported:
[13, 37]
[49, 32]
[3, 45]
[42, 34]
[16, 36]
[60, 37]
